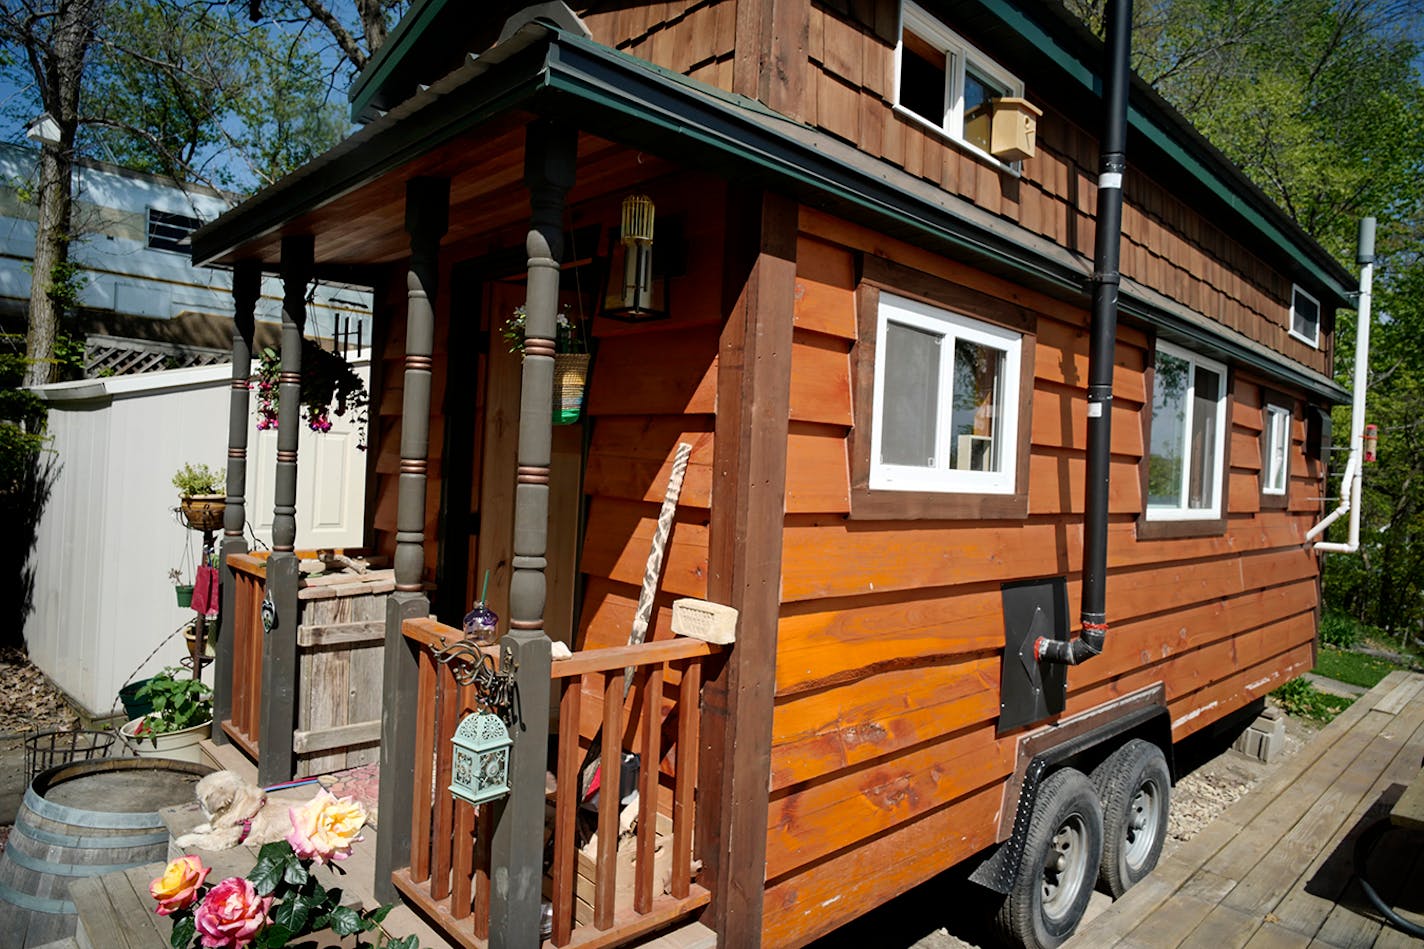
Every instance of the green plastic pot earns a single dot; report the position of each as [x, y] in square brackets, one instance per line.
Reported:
[185, 594]
[135, 707]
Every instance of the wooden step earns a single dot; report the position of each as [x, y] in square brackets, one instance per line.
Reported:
[689, 936]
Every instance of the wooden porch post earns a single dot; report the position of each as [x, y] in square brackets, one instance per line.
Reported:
[517, 847]
[427, 214]
[744, 557]
[246, 283]
[276, 760]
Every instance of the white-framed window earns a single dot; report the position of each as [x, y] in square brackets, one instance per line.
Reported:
[1275, 466]
[1305, 317]
[946, 83]
[946, 401]
[1184, 465]
[170, 231]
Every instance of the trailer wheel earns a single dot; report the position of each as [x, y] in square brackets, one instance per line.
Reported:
[1135, 789]
[1055, 873]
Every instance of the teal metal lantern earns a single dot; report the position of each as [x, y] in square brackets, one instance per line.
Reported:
[480, 770]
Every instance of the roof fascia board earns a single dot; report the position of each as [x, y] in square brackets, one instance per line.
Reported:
[392, 53]
[1017, 20]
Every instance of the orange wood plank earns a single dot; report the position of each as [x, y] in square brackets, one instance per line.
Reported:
[424, 767]
[605, 883]
[820, 380]
[651, 684]
[565, 810]
[671, 371]
[817, 470]
[631, 458]
[689, 722]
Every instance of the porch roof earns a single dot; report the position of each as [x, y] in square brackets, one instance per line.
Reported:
[468, 126]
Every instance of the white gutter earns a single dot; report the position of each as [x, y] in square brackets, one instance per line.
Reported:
[1353, 477]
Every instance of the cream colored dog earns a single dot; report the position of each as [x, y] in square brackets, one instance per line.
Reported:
[237, 812]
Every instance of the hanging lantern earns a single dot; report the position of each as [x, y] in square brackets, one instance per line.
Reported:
[479, 770]
[634, 293]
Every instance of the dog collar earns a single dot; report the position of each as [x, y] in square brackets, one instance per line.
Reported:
[246, 829]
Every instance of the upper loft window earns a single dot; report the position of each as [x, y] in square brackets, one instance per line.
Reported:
[946, 401]
[948, 84]
[170, 231]
[1305, 317]
[1185, 466]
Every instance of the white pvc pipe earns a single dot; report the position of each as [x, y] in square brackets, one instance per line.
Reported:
[1350, 483]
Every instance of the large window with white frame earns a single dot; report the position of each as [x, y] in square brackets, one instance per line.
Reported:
[1305, 317]
[1275, 465]
[946, 83]
[1185, 465]
[946, 401]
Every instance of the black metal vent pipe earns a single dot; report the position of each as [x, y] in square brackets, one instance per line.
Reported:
[1102, 338]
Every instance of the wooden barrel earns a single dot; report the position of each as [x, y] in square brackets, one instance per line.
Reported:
[78, 820]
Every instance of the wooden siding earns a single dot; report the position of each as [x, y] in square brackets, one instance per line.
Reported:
[1167, 244]
[884, 752]
[695, 39]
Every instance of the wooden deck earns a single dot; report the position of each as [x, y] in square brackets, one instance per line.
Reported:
[1276, 869]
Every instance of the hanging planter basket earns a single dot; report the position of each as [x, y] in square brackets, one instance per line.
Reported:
[570, 383]
[185, 594]
[203, 512]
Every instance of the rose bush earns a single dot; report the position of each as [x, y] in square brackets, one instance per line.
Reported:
[280, 899]
[231, 915]
[177, 889]
[325, 827]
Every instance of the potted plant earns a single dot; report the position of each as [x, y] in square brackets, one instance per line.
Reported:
[571, 361]
[184, 591]
[201, 496]
[182, 717]
[330, 386]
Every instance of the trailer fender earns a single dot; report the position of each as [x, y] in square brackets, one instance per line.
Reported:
[1142, 714]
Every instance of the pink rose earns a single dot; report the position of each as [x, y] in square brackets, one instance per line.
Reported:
[177, 889]
[231, 915]
[324, 828]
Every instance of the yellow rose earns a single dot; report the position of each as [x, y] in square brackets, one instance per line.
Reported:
[178, 887]
[324, 828]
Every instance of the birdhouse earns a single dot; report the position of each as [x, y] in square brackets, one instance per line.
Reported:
[479, 771]
[1014, 131]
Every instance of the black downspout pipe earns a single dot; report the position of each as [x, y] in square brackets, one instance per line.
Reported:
[1102, 338]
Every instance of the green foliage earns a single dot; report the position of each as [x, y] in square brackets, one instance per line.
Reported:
[197, 479]
[1300, 698]
[1339, 630]
[1354, 668]
[179, 702]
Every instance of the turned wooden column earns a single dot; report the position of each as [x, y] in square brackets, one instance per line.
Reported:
[427, 210]
[517, 847]
[246, 285]
[276, 760]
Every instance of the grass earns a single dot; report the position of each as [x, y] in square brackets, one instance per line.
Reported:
[1299, 697]
[1352, 667]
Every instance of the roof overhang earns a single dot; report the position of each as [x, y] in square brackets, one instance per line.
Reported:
[547, 72]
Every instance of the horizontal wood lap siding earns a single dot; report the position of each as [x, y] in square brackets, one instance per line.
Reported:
[884, 752]
[1168, 244]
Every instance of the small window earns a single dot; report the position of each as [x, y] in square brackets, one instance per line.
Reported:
[1305, 317]
[1275, 465]
[946, 83]
[1184, 466]
[946, 401]
[169, 231]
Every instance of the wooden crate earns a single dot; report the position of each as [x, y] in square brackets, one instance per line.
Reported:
[623, 892]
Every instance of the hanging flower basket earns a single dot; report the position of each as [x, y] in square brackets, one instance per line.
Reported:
[203, 512]
[570, 382]
[330, 386]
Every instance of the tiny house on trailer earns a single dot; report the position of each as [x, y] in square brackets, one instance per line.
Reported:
[862, 299]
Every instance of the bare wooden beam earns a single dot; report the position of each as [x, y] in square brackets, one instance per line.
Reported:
[770, 62]
[744, 557]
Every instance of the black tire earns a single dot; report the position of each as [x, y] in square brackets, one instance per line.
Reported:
[1136, 790]
[1055, 873]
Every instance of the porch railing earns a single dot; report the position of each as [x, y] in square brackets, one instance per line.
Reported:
[449, 872]
[249, 574]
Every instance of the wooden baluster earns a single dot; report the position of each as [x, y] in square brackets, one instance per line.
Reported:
[689, 717]
[241, 617]
[606, 872]
[424, 769]
[445, 702]
[566, 803]
[652, 689]
[460, 899]
[254, 658]
[484, 830]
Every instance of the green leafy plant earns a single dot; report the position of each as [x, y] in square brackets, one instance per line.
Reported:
[568, 334]
[1339, 630]
[1298, 697]
[192, 480]
[179, 702]
[329, 387]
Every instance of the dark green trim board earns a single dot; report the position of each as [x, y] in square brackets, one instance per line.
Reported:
[401, 41]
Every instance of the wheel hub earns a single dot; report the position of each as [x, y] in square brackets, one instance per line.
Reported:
[1065, 868]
